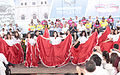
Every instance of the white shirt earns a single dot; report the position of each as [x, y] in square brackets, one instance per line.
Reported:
[10, 42]
[64, 29]
[55, 41]
[16, 40]
[82, 39]
[115, 37]
[98, 71]
[110, 36]
[2, 59]
[81, 28]
[101, 71]
[3, 33]
[111, 70]
[31, 41]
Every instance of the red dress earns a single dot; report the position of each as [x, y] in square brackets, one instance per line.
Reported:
[31, 59]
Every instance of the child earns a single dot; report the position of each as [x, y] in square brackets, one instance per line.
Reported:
[31, 60]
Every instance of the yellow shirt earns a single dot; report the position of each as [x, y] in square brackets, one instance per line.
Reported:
[103, 24]
[88, 25]
[39, 27]
[32, 28]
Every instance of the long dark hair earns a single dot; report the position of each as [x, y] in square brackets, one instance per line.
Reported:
[113, 58]
[106, 55]
[82, 34]
[27, 35]
[9, 34]
[56, 33]
[17, 37]
[97, 22]
[35, 33]
[116, 64]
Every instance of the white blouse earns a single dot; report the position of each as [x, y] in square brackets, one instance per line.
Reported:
[82, 39]
[31, 41]
[112, 70]
[55, 41]
[115, 37]
[10, 42]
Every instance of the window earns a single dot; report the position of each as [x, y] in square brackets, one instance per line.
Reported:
[45, 2]
[33, 3]
[25, 3]
[21, 3]
[34, 16]
[23, 17]
[41, 2]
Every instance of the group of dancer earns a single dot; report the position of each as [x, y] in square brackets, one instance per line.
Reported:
[57, 43]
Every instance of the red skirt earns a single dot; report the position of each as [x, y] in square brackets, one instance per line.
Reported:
[31, 59]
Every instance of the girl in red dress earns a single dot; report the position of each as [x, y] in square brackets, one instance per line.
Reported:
[31, 60]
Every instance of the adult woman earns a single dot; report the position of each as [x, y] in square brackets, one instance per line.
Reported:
[52, 26]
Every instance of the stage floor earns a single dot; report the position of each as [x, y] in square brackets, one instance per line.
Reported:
[21, 69]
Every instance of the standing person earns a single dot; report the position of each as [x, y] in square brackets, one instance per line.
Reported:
[52, 26]
[88, 27]
[73, 31]
[36, 50]
[36, 34]
[76, 20]
[19, 52]
[31, 60]
[10, 54]
[2, 66]
[110, 21]
[31, 26]
[84, 20]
